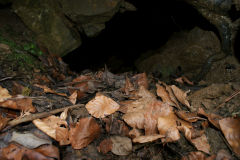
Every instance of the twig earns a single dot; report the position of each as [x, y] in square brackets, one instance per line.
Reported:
[6, 78]
[39, 115]
[228, 99]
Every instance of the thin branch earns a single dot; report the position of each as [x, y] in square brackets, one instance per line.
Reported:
[32, 117]
[228, 99]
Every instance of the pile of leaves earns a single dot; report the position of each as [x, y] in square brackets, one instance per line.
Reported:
[107, 116]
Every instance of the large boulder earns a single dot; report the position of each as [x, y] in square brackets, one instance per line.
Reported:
[187, 51]
[57, 23]
[90, 16]
[52, 29]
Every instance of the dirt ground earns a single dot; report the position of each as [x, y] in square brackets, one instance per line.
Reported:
[111, 116]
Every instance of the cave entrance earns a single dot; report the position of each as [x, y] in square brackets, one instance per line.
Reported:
[128, 35]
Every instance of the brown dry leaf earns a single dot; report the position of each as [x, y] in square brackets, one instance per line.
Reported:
[168, 127]
[141, 80]
[4, 94]
[171, 94]
[3, 121]
[49, 151]
[212, 118]
[101, 106]
[85, 131]
[48, 90]
[118, 127]
[81, 78]
[163, 94]
[183, 79]
[201, 142]
[18, 152]
[134, 119]
[128, 86]
[198, 156]
[23, 104]
[73, 97]
[121, 146]
[231, 130]
[105, 146]
[148, 138]
[180, 95]
[153, 116]
[223, 155]
[188, 116]
[55, 127]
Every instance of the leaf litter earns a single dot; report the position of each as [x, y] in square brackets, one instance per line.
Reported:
[125, 115]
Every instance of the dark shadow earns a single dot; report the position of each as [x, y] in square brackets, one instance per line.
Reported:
[129, 34]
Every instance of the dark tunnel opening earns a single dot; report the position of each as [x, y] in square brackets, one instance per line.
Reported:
[130, 34]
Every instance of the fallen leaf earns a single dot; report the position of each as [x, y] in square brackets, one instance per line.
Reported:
[212, 118]
[180, 95]
[134, 119]
[187, 116]
[28, 140]
[105, 146]
[141, 80]
[101, 106]
[121, 146]
[163, 94]
[18, 152]
[55, 127]
[147, 138]
[73, 97]
[201, 142]
[168, 127]
[152, 116]
[49, 151]
[4, 94]
[118, 127]
[23, 104]
[3, 122]
[198, 156]
[128, 86]
[231, 130]
[171, 95]
[85, 131]
[183, 79]
[48, 90]
[223, 155]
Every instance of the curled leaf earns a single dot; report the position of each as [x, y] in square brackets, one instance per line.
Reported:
[180, 95]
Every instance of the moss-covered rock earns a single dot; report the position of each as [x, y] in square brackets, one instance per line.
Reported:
[53, 30]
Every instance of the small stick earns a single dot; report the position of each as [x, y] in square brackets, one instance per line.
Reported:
[6, 78]
[228, 99]
[32, 117]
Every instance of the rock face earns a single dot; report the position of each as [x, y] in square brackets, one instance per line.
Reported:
[90, 16]
[186, 50]
[52, 29]
[57, 22]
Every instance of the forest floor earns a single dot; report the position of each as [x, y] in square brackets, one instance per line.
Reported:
[50, 112]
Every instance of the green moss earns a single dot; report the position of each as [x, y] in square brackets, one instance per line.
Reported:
[26, 91]
[23, 55]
